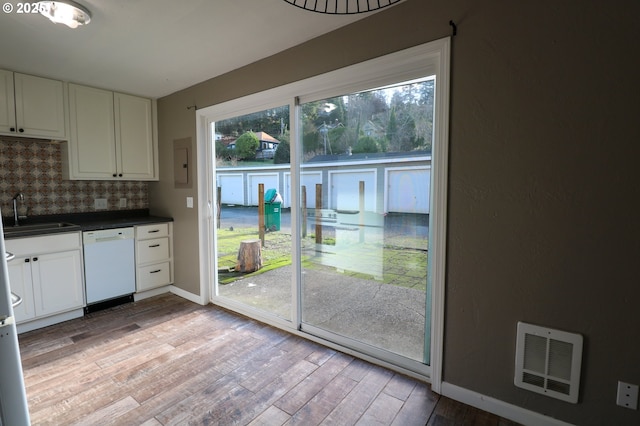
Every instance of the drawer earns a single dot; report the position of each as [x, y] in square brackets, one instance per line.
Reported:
[155, 230]
[154, 276]
[27, 246]
[152, 250]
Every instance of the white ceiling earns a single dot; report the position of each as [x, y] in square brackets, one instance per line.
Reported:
[155, 47]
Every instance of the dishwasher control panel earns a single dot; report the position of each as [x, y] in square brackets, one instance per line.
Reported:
[90, 237]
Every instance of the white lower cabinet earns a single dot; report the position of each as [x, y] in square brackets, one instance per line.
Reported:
[47, 274]
[21, 284]
[57, 282]
[154, 256]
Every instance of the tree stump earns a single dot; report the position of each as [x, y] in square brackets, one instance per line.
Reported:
[249, 256]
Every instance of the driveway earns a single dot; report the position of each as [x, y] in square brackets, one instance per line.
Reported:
[394, 223]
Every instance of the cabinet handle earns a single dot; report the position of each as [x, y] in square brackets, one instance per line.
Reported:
[153, 231]
[21, 130]
[27, 260]
[35, 259]
[114, 175]
[154, 246]
[156, 271]
[12, 129]
[120, 175]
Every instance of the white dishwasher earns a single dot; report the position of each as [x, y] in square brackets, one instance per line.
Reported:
[109, 264]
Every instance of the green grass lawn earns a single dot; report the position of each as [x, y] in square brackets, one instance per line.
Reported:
[403, 262]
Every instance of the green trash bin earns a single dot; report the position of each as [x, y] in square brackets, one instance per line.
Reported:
[272, 202]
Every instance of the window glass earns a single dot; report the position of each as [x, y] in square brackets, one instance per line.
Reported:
[254, 232]
[365, 178]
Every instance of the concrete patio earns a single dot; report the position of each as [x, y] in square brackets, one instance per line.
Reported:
[339, 297]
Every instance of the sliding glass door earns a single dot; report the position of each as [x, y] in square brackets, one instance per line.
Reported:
[363, 186]
[365, 178]
[327, 201]
[253, 235]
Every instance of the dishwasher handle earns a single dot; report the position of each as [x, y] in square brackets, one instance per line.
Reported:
[113, 238]
[103, 236]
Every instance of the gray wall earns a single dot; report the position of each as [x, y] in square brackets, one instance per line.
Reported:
[543, 151]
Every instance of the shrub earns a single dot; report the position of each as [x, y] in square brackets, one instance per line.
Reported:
[366, 144]
[282, 153]
[246, 146]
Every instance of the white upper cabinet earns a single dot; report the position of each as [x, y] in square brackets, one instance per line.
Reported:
[134, 136]
[32, 106]
[92, 153]
[7, 102]
[111, 136]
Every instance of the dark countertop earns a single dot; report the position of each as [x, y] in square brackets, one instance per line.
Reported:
[74, 222]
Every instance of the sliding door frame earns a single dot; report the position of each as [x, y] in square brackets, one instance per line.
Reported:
[414, 63]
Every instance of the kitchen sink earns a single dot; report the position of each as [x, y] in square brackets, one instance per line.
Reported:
[38, 228]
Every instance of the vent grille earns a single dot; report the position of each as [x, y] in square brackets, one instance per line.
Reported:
[548, 361]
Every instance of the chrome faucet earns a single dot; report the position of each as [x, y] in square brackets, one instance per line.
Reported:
[17, 197]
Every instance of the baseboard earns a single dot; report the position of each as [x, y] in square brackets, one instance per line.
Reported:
[498, 407]
[189, 296]
[47, 321]
[150, 293]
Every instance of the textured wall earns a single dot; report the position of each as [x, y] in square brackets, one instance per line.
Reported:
[544, 144]
[34, 168]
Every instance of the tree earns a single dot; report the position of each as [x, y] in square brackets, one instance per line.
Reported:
[246, 146]
[272, 121]
[401, 129]
[410, 122]
[221, 150]
[283, 152]
[366, 144]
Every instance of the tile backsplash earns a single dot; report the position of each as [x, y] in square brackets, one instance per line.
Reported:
[33, 167]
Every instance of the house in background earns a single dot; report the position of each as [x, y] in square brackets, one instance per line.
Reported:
[266, 149]
[268, 146]
[372, 129]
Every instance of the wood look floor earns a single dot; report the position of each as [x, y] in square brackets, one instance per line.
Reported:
[167, 361]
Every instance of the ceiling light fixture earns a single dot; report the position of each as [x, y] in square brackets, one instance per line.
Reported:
[65, 12]
[342, 7]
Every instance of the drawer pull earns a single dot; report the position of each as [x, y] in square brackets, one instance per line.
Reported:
[153, 231]
[154, 245]
[156, 271]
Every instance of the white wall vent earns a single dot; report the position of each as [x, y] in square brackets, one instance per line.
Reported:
[548, 361]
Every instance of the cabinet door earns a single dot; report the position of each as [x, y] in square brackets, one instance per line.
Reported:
[20, 282]
[7, 103]
[39, 107]
[57, 282]
[134, 137]
[92, 142]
